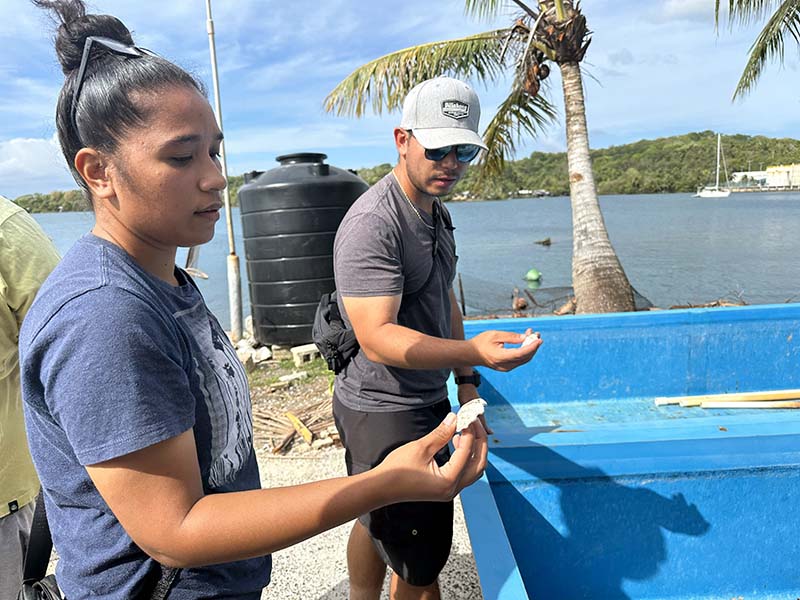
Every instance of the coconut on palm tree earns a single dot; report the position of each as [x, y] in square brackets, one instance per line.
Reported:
[548, 31]
[770, 43]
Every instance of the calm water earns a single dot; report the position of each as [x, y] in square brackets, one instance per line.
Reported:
[674, 248]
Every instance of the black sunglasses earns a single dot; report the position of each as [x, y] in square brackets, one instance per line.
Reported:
[114, 46]
[464, 152]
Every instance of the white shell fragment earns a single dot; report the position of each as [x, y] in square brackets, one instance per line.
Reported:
[469, 412]
[530, 339]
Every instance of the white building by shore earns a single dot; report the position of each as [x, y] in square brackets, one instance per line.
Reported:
[783, 176]
[778, 176]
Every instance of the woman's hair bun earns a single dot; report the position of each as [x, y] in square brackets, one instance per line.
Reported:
[75, 26]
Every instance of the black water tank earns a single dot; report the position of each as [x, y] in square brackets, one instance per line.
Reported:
[289, 219]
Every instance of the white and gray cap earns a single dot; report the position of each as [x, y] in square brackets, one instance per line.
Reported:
[443, 112]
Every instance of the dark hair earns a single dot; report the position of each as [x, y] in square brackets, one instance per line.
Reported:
[106, 107]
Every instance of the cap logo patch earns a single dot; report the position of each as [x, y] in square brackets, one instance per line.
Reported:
[455, 109]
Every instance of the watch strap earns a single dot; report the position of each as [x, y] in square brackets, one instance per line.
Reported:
[474, 379]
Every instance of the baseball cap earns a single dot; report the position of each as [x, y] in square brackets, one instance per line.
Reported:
[442, 112]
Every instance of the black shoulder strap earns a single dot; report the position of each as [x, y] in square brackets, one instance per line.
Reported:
[447, 219]
[164, 583]
[412, 297]
[439, 213]
[37, 556]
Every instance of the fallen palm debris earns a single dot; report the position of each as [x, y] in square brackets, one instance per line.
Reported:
[313, 423]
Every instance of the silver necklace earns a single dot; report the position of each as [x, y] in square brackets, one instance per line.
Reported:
[411, 204]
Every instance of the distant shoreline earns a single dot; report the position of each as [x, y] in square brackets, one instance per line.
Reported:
[670, 165]
[781, 190]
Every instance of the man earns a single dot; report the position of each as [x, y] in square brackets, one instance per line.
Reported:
[26, 258]
[394, 262]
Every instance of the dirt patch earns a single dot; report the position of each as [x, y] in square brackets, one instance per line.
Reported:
[306, 397]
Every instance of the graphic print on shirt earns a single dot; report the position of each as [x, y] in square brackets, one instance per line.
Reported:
[223, 383]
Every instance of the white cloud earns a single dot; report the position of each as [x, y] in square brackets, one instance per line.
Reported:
[27, 105]
[307, 68]
[623, 57]
[17, 23]
[30, 165]
[688, 10]
[307, 136]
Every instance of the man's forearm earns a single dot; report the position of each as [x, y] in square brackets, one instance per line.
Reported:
[399, 346]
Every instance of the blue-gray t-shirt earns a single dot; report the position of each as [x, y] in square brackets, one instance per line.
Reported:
[114, 360]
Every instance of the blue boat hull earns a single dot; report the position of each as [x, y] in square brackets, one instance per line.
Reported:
[594, 492]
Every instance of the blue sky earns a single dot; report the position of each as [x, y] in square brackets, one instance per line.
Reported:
[655, 68]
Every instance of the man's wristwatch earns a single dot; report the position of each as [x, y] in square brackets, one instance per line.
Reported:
[474, 379]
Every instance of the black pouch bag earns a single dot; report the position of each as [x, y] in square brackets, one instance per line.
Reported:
[35, 585]
[336, 342]
[44, 589]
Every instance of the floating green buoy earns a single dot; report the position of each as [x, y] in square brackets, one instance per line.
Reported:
[533, 275]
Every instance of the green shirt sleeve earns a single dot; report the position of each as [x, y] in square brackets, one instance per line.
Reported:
[26, 258]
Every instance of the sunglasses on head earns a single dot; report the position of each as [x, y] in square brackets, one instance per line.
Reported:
[464, 152]
[110, 44]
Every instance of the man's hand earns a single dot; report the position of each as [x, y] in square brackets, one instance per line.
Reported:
[419, 478]
[490, 345]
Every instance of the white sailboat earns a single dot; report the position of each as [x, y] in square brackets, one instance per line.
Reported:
[715, 191]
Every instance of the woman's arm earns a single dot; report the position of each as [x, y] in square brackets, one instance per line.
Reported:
[157, 495]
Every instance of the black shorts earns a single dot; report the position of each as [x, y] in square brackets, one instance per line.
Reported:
[413, 538]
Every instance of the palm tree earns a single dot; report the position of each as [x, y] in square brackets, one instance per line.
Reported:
[770, 42]
[554, 31]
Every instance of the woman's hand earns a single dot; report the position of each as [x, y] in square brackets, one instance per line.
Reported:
[416, 474]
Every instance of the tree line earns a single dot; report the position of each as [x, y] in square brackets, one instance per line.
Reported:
[75, 201]
[673, 164]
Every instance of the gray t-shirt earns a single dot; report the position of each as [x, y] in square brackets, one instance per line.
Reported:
[383, 248]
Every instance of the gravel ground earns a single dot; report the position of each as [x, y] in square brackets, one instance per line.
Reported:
[317, 568]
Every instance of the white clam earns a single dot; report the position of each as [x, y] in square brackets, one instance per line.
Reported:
[469, 413]
[530, 339]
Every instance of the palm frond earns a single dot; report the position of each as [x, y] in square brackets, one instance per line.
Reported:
[518, 115]
[770, 43]
[746, 11]
[484, 9]
[385, 81]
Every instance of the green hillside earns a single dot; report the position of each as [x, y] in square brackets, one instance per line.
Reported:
[679, 163]
[674, 164]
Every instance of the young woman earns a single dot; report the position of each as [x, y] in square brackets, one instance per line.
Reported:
[137, 409]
